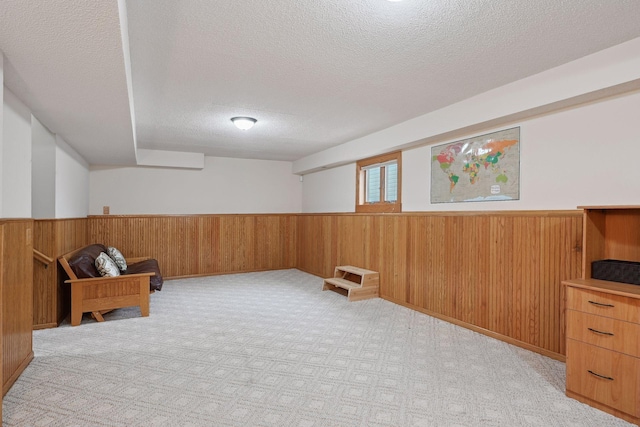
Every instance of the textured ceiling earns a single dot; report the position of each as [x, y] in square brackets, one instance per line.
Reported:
[314, 73]
[65, 60]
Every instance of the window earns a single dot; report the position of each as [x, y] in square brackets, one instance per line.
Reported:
[378, 183]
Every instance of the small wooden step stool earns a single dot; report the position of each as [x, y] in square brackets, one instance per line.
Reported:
[358, 283]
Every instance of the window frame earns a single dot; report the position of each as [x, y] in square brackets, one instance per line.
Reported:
[382, 206]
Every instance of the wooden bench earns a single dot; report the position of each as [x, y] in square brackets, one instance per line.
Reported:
[98, 295]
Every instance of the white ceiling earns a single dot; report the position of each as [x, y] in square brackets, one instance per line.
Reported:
[314, 73]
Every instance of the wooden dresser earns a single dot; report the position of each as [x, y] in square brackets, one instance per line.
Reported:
[603, 346]
[603, 318]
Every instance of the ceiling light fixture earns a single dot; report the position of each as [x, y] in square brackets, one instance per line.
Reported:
[244, 123]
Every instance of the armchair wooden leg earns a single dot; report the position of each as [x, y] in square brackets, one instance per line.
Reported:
[97, 315]
[76, 304]
[144, 297]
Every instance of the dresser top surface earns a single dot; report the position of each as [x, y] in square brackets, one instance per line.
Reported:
[616, 207]
[625, 289]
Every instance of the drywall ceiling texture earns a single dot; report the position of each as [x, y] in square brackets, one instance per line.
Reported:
[65, 60]
[320, 73]
[603, 74]
[314, 73]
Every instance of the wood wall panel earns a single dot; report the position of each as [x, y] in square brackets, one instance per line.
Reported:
[497, 272]
[44, 277]
[2, 261]
[622, 228]
[16, 279]
[195, 245]
[51, 296]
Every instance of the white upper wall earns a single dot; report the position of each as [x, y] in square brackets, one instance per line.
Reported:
[41, 175]
[1, 126]
[332, 190]
[43, 171]
[225, 185]
[72, 182]
[581, 156]
[60, 177]
[16, 158]
[584, 156]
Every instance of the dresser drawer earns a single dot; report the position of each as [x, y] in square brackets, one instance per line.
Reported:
[605, 376]
[604, 304]
[606, 332]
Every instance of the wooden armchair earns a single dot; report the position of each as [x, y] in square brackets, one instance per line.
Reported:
[99, 295]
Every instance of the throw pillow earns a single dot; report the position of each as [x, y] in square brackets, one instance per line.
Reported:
[106, 266]
[117, 256]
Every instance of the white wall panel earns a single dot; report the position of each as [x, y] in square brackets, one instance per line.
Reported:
[72, 182]
[16, 158]
[225, 185]
[331, 190]
[43, 171]
[582, 156]
[1, 127]
[585, 155]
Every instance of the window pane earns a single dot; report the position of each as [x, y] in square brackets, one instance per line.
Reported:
[373, 185]
[378, 183]
[391, 183]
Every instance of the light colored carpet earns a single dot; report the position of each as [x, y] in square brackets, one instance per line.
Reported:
[272, 349]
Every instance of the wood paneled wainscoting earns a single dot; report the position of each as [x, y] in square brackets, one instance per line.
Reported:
[51, 296]
[16, 290]
[199, 245]
[498, 273]
[184, 245]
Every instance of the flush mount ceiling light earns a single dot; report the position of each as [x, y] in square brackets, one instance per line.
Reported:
[244, 123]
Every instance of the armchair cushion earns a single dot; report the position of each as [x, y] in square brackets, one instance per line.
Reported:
[117, 256]
[106, 266]
[83, 262]
[148, 266]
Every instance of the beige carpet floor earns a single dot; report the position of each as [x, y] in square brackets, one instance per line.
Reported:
[272, 349]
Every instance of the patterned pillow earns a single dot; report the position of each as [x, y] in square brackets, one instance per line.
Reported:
[106, 266]
[117, 256]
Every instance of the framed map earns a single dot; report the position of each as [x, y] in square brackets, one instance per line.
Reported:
[478, 169]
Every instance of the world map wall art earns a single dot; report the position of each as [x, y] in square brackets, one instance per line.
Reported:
[479, 169]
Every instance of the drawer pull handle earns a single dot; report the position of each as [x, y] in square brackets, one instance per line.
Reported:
[601, 304]
[600, 332]
[600, 376]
